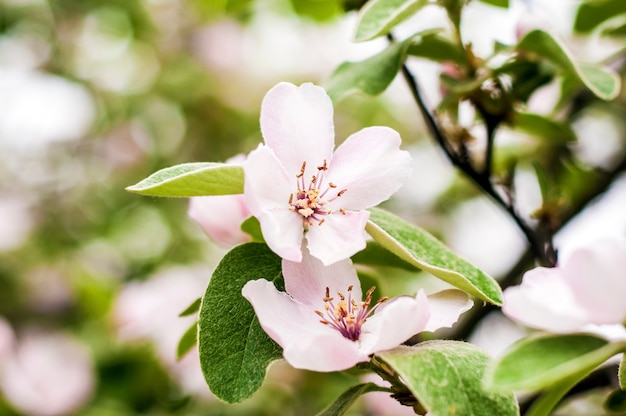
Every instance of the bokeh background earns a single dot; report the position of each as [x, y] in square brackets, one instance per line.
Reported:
[97, 94]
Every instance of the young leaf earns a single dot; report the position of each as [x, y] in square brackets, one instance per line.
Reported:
[187, 341]
[603, 82]
[615, 403]
[419, 248]
[541, 126]
[446, 377]
[370, 76]
[591, 14]
[347, 399]
[234, 349]
[191, 309]
[436, 48]
[192, 179]
[252, 227]
[538, 362]
[378, 17]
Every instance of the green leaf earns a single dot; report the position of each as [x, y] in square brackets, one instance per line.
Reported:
[419, 248]
[192, 179]
[378, 17]
[187, 341]
[446, 377]
[347, 399]
[538, 362]
[376, 255]
[541, 126]
[593, 13]
[616, 402]
[498, 3]
[191, 309]
[603, 82]
[234, 349]
[252, 227]
[436, 48]
[371, 76]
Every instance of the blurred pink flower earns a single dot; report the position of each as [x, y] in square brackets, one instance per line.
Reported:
[45, 374]
[323, 324]
[379, 403]
[585, 291]
[221, 216]
[298, 188]
[148, 310]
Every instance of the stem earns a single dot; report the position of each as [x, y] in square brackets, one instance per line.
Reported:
[544, 405]
[543, 250]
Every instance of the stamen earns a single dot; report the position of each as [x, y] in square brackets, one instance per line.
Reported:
[310, 199]
[347, 316]
[301, 170]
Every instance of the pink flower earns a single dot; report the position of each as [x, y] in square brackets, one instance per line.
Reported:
[298, 188]
[587, 289]
[220, 216]
[44, 373]
[324, 324]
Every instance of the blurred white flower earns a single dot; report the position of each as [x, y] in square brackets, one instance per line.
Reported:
[16, 221]
[44, 373]
[38, 109]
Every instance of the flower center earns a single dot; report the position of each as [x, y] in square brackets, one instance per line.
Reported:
[348, 316]
[311, 198]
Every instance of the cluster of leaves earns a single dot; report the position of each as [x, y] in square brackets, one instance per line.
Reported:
[445, 376]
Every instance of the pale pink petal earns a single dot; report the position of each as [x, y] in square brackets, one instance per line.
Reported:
[398, 320]
[370, 166]
[283, 233]
[306, 342]
[324, 352]
[339, 237]
[597, 275]
[297, 124]
[544, 300]
[307, 281]
[266, 191]
[220, 217]
[446, 307]
[283, 319]
[266, 184]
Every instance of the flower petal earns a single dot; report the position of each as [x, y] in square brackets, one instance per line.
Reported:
[307, 281]
[328, 351]
[283, 319]
[266, 184]
[220, 217]
[544, 300]
[446, 307]
[597, 275]
[339, 237]
[266, 191]
[283, 233]
[297, 124]
[307, 343]
[398, 320]
[371, 166]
